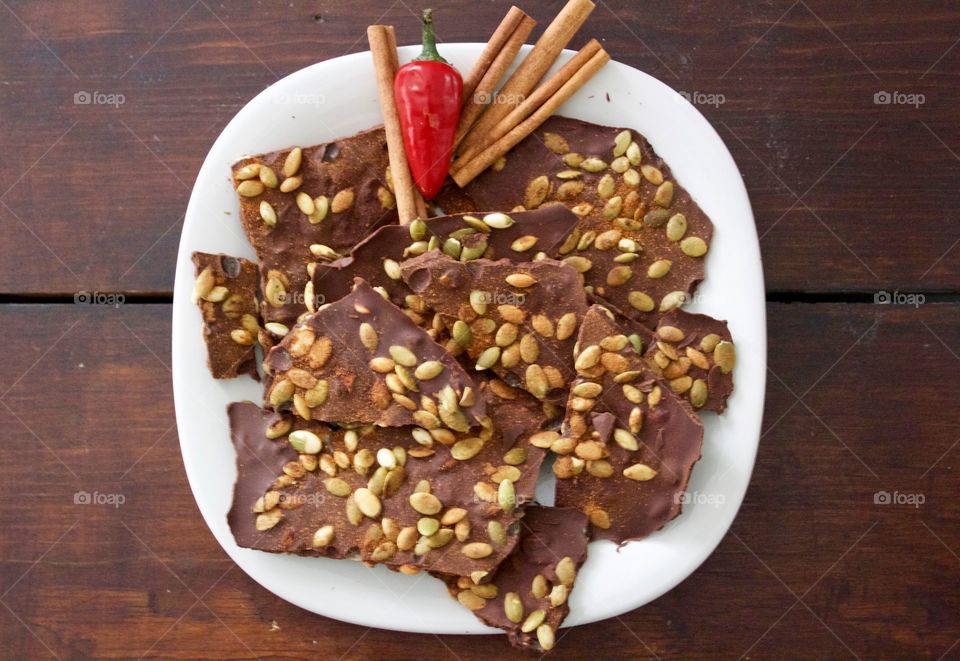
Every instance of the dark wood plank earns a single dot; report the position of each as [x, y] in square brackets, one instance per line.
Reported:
[93, 195]
[81, 385]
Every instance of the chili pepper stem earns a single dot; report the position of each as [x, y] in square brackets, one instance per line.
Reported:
[429, 52]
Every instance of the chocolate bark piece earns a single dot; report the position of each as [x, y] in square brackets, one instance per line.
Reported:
[629, 443]
[226, 293]
[397, 496]
[695, 355]
[299, 202]
[533, 583]
[362, 361]
[642, 240]
[518, 319]
[519, 236]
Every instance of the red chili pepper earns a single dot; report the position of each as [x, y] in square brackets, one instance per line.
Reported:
[428, 101]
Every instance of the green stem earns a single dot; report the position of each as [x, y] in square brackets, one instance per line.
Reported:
[429, 52]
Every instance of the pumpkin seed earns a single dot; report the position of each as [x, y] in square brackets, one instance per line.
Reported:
[588, 358]
[620, 164]
[305, 203]
[425, 503]
[477, 550]
[693, 246]
[506, 335]
[664, 195]
[639, 472]
[566, 326]
[698, 393]
[537, 191]
[659, 269]
[588, 389]
[282, 392]
[606, 186]
[656, 218]
[466, 449]
[725, 355]
[620, 143]
[567, 175]
[268, 177]
[250, 188]
[248, 171]
[513, 607]
[323, 537]
[573, 159]
[612, 208]
[337, 487]
[470, 600]
[710, 342]
[488, 358]
[428, 370]
[631, 178]
[640, 301]
[555, 143]
[402, 355]
[676, 227]
[534, 620]
[291, 184]
[652, 174]
[529, 348]
[268, 520]
[673, 300]
[593, 164]
[305, 441]
[342, 201]
[619, 275]
[521, 280]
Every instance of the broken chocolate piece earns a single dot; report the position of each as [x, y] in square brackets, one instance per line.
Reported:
[518, 236]
[518, 319]
[296, 203]
[528, 595]
[362, 361]
[399, 496]
[629, 443]
[226, 292]
[695, 355]
[642, 239]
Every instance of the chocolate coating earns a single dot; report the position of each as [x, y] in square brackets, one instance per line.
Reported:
[716, 385]
[326, 352]
[547, 535]
[668, 436]
[541, 154]
[305, 503]
[358, 164]
[237, 311]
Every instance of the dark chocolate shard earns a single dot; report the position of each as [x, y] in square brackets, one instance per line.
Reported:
[642, 239]
[344, 186]
[226, 293]
[528, 597]
[519, 236]
[695, 355]
[361, 360]
[629, 479]
[518, 319]
[400, 496]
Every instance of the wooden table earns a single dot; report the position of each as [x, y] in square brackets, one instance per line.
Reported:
[852, 197]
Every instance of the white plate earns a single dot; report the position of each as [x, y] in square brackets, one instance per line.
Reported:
[337, 98]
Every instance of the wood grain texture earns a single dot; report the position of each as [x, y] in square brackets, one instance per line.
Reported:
[86, 406]
[848, 195]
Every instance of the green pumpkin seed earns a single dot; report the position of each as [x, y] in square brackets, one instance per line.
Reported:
[488, 358]
[656, 218]
[593, 164]
[524, 243]
[725, 356]
[640, 301]
[659, 269]
[305, 441]
[513, 607]
[402, 355]
[673, 300]
[698, 393]
[466, 449]
[693, 246]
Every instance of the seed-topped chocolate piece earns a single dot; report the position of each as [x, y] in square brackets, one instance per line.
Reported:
[361, 360]
[406, 497]
[642, 240]
[695, 355]
[226, 292]
[628, 442]
[517, 319]
[295, 202]
[520, 236]
[528, 596]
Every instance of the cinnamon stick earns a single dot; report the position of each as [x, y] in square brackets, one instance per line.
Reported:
[489, 156]
[530, 104]
[481, 93]
[537, 62]
[496, 44]
[383, 47]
